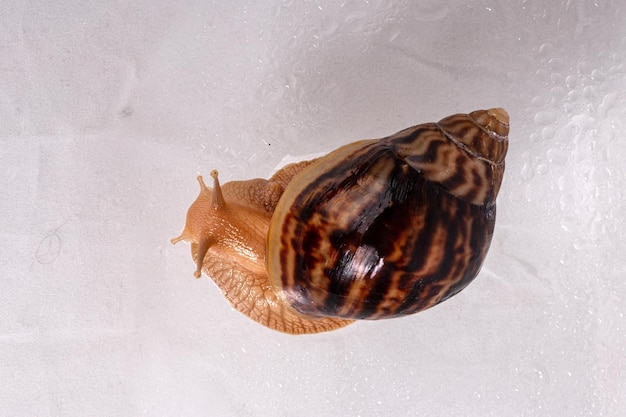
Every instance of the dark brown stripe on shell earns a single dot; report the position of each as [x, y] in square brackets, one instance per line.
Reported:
[399, 226]
[368, 248]
[454, 153]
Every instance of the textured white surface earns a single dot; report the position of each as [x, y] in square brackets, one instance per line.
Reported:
[109, 109]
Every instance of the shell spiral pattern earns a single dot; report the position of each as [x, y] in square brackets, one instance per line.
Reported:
[393, 226]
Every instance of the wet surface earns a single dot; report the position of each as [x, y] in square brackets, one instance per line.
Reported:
[109, 111]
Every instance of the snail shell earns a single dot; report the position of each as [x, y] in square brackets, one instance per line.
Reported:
[376, 229]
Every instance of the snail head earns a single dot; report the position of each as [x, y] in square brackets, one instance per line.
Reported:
[204, 221]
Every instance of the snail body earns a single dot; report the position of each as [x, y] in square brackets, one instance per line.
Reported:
[375, 229]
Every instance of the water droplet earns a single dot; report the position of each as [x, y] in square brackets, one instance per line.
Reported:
[544, 117]
[541, 74]
[597, 75]
[556, 64]
[543, 169]
[589, 92]
[539, 101]
[608, 102]
[330, 27]
[527, 172]
[548, 133]
[571, 81]
[534, 137]
[567, 202]
[556, 78]
[557, 156]
[546, 49]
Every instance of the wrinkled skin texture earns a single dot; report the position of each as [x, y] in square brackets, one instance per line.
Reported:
[228, 242]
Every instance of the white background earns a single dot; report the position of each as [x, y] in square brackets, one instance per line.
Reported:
[109, 109]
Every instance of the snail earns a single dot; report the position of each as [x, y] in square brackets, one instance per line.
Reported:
[375, 229]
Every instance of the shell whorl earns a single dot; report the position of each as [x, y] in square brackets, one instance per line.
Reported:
[464, 153]
[389, 227]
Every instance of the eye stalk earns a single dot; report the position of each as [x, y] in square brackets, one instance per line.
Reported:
[200, 240]
[218, 197]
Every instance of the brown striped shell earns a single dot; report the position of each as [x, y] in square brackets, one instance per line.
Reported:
[376, 229]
